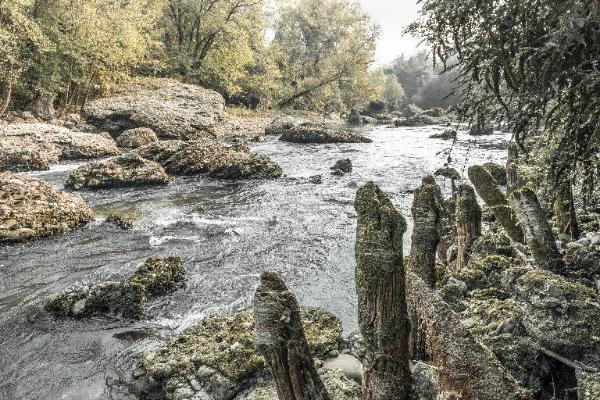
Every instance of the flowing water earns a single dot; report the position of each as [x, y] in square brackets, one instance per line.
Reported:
[226, 233]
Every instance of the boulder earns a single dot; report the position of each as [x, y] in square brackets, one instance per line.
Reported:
[316, 179]
[342, 167]
[34, 146]
[449, 134]
[30, 208]
[316, 133]
[348, 364]
[217, 358]
[128, 170]
[170, 108]
[160, 276]
[207, 156]
[113, 299]
[561, 316]
[283, 123]
[137, 137]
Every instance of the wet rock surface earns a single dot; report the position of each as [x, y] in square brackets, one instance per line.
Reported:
[129, 170]
[342, 167]
[218, 358]
[113, 299]
[160, 276]
[137, 137]
[171, 109]
[210, 157]
[316, 133]
[31, 209]
[25, 147]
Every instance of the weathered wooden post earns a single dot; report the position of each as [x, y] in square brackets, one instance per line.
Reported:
[382, 314]
[512, 175]
[490, 192]
[427, 212]
[538, 233]
[280, 339]
[468, 223]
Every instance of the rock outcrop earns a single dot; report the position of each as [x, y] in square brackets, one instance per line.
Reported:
[210, 157]
[316, 133]
[171, 109]
[31, 209]
[115, 299]
[160, 276]
[136, 137]
[218, 358]
[129, 170]
[25, 147]
[342, 167]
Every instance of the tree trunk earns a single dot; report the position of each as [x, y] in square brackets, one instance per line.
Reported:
[538, 232]
[6, 91]
[465, 367]
[426, 211]
[280, 339]
[468, 223]
[490, 192]
[382, 313]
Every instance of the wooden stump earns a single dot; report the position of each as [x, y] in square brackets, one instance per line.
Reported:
[512, 175]
[491, 193]
[280, 339]
[382, 313]
[468, 223]
[427, 212]
[538, 233]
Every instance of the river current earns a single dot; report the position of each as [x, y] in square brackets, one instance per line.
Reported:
[226, 233]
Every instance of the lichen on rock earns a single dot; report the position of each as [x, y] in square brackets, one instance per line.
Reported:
[207, 156]
[105, 299]
[129, 170]
[31, 209]
[160, 276]
[217, 358]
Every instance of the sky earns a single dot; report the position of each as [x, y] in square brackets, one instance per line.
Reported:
[392, 16]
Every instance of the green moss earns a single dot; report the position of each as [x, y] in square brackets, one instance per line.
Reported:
[160, 276]
[225, 345]
[487, 314]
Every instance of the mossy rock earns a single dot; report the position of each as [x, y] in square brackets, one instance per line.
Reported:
[160, 276]
[497, 171]
[490, 315]
[492, 243]
[114, 299]
[218, 356]
[447, 172]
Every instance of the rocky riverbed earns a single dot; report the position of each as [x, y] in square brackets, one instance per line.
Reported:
[226, 233]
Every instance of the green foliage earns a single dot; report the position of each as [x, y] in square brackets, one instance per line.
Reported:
[393, 93]
[531, 63]
[323, 49]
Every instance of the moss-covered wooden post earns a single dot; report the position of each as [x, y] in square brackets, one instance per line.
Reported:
[468, 223]
[427, 211]
[465, 366]
[512, 175]
[493, 197]
[538, 233]
[280, 339]
[382, 314]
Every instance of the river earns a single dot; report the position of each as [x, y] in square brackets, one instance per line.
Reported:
[226, 233]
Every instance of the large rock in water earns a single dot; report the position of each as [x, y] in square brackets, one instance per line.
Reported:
[171, 109]
[218, 358]
[207, 156]
[124, 171]
[160, 276]
[109, 298]
[25, 147]
[317, 133]
[137, 137]
[30, 208]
